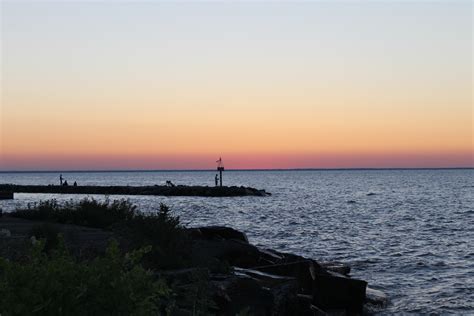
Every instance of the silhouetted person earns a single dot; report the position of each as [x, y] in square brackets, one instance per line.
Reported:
[65, 183]
[61, 179]
[216, 179]
[169, 183]
[75, 184]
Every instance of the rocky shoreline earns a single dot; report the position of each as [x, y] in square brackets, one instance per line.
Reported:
[258, 281]
[178, 190]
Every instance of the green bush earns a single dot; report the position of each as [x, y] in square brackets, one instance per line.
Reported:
[87, 212]
[193, 292]
[171, 242]
[58, 285]
[48, 232]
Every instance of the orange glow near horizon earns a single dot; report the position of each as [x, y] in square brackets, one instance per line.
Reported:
[239, 161]
[264, 86]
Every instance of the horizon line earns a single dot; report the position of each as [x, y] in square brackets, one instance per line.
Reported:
[257, 169]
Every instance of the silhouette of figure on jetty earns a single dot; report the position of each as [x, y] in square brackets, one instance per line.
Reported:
[65, 183]
[216, 180]
[75, 184]
[220, 168]
[169, 184]
[61, 179]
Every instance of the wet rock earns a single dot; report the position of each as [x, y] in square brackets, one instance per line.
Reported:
[282, 257]
[376, 297]
[371, 194]
[264, 279]
[303, 271]
[351, 202]
[338, 267]
[333, 291]
[269, 257]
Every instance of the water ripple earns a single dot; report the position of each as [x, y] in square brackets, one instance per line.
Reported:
[408, 232]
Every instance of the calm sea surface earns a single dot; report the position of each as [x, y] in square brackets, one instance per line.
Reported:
[413, 238]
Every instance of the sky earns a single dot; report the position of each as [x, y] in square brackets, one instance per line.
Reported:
[99, 85]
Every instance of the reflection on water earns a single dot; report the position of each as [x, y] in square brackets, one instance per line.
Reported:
[408, 232]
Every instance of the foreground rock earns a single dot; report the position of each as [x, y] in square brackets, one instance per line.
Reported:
[180, 190]
[84, 242]
[239, 277]
[284, 284]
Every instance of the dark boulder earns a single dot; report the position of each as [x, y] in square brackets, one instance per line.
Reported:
[218, 232]
[285, 299]
[241, 294]
[280, 293]
[191, 290]
[303, 271]
[184, 275]
[265, 279]
[338, 267]
[6, 195]
[376, 298]
[332, 291]
[232, 251]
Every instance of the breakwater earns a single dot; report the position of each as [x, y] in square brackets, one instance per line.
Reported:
[179, 190]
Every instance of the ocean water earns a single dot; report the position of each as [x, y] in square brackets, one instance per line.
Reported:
[409, 233]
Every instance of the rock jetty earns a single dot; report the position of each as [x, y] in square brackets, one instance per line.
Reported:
[269, 282]
[179, 190]
[257, 281]
[8, 195]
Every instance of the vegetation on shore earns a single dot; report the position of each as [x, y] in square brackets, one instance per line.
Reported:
[56, 283]
[87, 212]
[154, 265]
[171, 245]
[113, 283]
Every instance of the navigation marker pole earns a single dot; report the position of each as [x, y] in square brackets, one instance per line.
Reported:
[220, 168]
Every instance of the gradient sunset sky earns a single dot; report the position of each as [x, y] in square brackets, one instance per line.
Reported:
[174, 85]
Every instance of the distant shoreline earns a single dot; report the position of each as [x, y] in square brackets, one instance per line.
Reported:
[229, 170]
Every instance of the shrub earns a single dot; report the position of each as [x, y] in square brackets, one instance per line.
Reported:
[48, 232]
[193, 292]
[171, 242]
[114, 284]
[87, 212]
